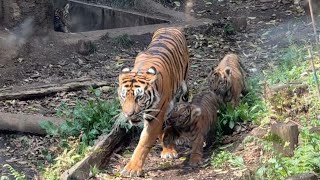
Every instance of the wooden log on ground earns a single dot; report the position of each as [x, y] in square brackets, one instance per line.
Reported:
[32, 91]
[304, 176]
[287, 132]
[103, 149]
[25, 123]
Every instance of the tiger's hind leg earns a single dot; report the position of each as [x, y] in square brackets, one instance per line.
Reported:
[196, 151]
[167, 140]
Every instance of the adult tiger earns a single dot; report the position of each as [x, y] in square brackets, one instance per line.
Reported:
[150, 90]
[194, 122]
[228, 79]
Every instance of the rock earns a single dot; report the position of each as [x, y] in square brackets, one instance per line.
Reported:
[85, 47]
[239, 23]
[258, 132]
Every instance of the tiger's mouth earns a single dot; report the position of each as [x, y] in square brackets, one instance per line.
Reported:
[134, 120]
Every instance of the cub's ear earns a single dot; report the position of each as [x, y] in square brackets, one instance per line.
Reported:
[66, 7]
[125, 70]
[195, 111]
[227, 70]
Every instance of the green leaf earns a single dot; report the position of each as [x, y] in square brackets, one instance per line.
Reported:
[231, 124]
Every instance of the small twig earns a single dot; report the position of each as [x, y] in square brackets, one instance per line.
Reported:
[314, 72]
[296, 123]
[313, 22]
[317, 44]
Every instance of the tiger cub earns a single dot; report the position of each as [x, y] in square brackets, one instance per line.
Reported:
[228, 79]
[193, 121]
[61, 19]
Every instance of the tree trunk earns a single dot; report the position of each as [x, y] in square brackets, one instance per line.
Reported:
[288, 133]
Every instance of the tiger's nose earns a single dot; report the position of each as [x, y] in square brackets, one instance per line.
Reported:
[128, 113]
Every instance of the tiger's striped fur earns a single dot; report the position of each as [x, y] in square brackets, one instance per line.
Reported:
[61, 18]
[151, 89]
[228, 79]
[194, 122]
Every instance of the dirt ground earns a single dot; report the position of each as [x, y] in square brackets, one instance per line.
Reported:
[271, 26]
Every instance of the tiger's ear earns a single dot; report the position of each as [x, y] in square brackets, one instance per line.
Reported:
[227, 71]
[125, 70]
[152, 72]
[195, 111]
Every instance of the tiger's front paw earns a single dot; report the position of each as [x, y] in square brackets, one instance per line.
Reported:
[131, 170]
[169, 153]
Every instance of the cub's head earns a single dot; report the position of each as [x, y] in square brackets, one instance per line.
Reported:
[220, 81]
[183, 114]
[137, 94]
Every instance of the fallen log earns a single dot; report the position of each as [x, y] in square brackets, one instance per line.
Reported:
[103, 149]
[25, 123]
[304, 176]
[32, 91]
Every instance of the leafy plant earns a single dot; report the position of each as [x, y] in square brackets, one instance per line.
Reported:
[306, 159]
[87, 120]
[94, 171]
[123, 41]
[65, 160]
[229, 29]
[84, 123]
[291, 66]
[17, 175]
[224, 158]
[251, 108]
[300, 104]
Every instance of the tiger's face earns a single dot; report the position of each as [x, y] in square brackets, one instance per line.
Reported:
[137, 94]
[220, 81]
[183, 114]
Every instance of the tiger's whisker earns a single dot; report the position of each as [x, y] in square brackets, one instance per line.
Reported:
[148, 115]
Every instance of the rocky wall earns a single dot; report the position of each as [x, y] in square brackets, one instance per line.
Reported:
[15, 12]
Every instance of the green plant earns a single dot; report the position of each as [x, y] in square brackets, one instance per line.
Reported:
[65, 160]
[298, 103]
[252, 107]
[230, 116]
[291, 66]
[17, 175]
[306, 159]
[123, 41]
[94, 171]
[87, 120]
[228, 29]
[224, 158]
[84, 123]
